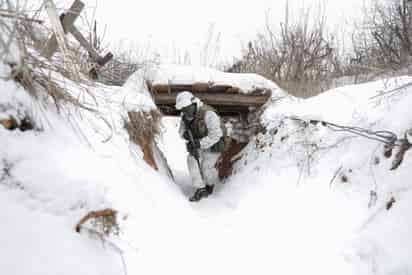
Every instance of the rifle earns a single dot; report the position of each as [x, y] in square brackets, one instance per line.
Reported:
[195, 153]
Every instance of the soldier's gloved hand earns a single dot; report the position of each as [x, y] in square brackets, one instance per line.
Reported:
[196, 144]
[186, 135]
[192, 148]
[189, 148]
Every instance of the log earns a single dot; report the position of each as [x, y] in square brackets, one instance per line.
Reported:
[224, 111]
[103, 60]
[68, 20]
[201, 87]
[58, 30]
[216, 99]
[83, 41]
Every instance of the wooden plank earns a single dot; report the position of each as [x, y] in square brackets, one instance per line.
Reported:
[204, 87]
[195, 87]
[105, 59]
[56, 25]
[219, 108]
[174, 88]
[221, 99]
[223, 111]
[200, 87]
[79, 36]
[219, 88]
[68, 20]
[72, 14]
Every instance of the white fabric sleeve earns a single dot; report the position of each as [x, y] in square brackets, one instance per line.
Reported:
[182, 128]
[409, 135]
[214, 132]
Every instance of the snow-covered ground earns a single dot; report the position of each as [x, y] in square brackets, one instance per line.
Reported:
[289, 210]
[280, 213]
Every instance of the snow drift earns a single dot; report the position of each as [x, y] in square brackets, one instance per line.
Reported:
[74, 161]
[299, 201]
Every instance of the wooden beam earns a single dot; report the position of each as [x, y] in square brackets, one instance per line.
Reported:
[204, 87]
[68, 20]
[58, 35]
[223, 111]
[72, 14]
[79, 36]
[195, 87]
[216, 99]
[103, 60]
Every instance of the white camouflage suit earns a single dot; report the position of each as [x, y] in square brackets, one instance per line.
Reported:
[208, 159]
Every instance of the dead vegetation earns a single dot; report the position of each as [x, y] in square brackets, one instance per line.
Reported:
[142, 128]
[399, 156]
[103, 221]
[48, 65]
[298, 56]
[305, 58]
[28, 45]
[384, 39]
[104, 226]
[37, 75]
[16, 117]
[12, 124]
[229, 158]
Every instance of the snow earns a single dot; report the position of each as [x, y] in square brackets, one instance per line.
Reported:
[376, 240]
[75, 164]
[35, 242]
[168, 74]
[280, 213]
[283, 215]
[346, 104]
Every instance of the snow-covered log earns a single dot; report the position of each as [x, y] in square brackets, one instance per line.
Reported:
[229, 93]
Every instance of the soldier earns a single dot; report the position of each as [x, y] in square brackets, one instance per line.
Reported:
[205, 134]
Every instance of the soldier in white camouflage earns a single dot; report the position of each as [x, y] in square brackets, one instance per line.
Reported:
[201, 122]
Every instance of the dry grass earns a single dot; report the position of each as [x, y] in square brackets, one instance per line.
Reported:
[33, 72]
[104, 221]
[46, 81]
[143, 125]
[142, 128]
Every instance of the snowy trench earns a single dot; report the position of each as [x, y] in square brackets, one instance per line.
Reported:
[299, 200]
[279, 214]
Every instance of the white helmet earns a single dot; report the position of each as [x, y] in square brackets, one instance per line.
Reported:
[184, 99]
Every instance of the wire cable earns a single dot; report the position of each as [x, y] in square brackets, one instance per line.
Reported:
[383, 136]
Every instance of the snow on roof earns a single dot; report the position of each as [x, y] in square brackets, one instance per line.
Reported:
[187, 75]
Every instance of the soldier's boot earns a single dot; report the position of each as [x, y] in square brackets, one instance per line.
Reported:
[199, 194]
[210, 188]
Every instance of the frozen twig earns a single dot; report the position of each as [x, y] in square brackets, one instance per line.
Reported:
[112, 244]
[391, 91]
[335, 175]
